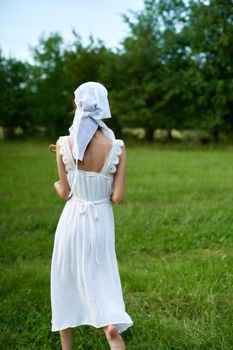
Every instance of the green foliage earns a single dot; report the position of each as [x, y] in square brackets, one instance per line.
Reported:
[210, 30]
[15, 95]
[172, 71]
[50, 96]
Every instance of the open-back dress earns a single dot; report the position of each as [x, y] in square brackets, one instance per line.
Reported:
[85, 281]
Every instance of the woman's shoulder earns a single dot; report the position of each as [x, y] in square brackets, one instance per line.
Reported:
[119, 147]
[115, 156]
[62, 137]
[65, 152]
[119, 142]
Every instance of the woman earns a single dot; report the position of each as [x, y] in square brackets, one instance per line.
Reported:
[85, 281]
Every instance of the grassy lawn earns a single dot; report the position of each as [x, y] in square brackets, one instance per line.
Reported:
[174, 240]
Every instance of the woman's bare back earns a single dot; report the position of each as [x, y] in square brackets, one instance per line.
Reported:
[96, 153]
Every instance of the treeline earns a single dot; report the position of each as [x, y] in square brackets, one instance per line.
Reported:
[174, 70]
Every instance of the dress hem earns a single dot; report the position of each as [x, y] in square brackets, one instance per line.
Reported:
[127, 325]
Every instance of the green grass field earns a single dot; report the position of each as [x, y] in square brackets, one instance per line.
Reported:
[174, 240]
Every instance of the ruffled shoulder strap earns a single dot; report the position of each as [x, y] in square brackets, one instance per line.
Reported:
[111, 165]
[65, 153]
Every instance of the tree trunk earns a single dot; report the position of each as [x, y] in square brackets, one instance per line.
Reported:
[149, 134]
[216, 134]
[169, 134]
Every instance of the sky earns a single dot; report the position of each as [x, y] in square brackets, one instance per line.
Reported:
[22, 22]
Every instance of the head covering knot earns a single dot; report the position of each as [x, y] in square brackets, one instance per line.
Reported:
[91, 99]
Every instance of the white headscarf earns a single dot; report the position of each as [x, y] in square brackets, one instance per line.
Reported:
[91, 99]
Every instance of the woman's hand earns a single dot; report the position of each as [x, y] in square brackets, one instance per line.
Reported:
[57, 185]
[59, 190]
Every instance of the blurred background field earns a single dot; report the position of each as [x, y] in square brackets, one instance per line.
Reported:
[173, 241]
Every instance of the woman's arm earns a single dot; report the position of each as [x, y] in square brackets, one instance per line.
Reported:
[118, 192]
[62, 186]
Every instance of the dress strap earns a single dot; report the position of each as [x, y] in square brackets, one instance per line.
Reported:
[72, 162]
[67, 158]
[65, 153]
[114, 157]
[75, 177]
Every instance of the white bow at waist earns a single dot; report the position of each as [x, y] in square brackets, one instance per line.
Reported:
[85, 205]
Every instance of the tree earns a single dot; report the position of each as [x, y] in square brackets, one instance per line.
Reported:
[211, 34]
[14, 96]
[50, 98]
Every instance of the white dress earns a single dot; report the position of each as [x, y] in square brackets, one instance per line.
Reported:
[85, 281]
